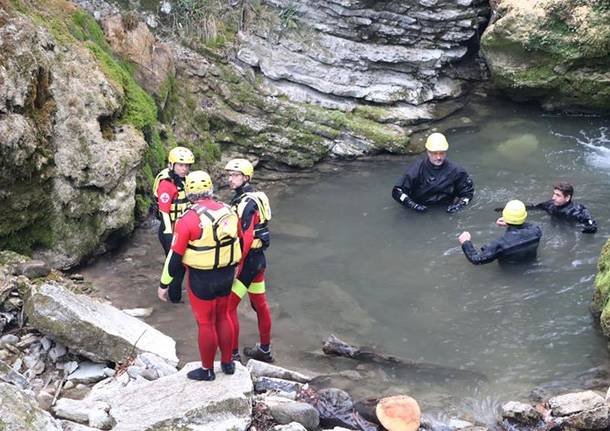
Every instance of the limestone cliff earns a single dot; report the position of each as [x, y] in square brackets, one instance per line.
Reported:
[555, 52]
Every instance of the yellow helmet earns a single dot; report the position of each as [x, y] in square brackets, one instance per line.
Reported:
[197, 182]
[437, 142]
[181, 155]
[514, 212]
[240, 165]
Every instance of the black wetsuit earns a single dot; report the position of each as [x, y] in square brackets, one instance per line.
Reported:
[518, 244]
[426, 184]
[571, 212]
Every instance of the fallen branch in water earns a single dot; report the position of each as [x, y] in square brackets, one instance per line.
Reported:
[333, 346]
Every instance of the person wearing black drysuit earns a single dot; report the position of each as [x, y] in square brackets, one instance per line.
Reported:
[562, 207]
[519, 243]
[434, 180]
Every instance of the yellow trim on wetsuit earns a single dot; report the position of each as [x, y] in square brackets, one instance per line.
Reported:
[167, 223]
[165, 277]
[239, 288]
[257, 288]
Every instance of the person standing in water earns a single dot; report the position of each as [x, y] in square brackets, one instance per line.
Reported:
[434, 180]
[562, 207]
[518, 244]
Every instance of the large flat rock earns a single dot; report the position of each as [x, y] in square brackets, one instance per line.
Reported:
[96, 330]
[175, 402]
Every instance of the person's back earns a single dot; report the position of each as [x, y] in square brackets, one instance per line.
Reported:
[518, 244]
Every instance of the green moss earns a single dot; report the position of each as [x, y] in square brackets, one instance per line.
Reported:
[600, 305]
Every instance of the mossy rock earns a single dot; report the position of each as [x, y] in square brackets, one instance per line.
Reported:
[600, 305]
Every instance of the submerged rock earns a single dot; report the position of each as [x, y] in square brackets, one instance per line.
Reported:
[93, 329]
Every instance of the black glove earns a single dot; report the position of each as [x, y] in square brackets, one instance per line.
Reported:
[415, 206]
[498, 209]
[459, 205]
[590, 227]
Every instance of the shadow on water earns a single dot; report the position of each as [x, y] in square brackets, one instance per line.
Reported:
[346, 259]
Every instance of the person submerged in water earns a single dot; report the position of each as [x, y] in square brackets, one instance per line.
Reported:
[561, 206]
[434, 180]
[518, 244]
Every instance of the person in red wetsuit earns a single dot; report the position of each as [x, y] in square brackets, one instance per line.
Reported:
[172, 203]
[206, 243]
[254, 213]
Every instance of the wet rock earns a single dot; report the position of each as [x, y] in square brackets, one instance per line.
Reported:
[12, 304]
[521, 413]
[225, 403]
[33, 269]
[101, 419]
[262, 369]
[88, 372]
[583, 410]
[20, 412]
[79, 410]
[565, 74]
[10, 375]
[93, 329]
[285, 411]
[68, 385]
[564, 405]
[264, 384]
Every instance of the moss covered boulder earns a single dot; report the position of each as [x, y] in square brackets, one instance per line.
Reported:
[600, 305]
[20, 412]
[555, 52]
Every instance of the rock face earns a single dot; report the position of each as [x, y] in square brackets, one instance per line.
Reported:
[20, 412]
[175, 402]
[556, 52]
[381, 52]
[153, 60]
[95, 330]
[600, 306]
[67, 185]
[582, 410]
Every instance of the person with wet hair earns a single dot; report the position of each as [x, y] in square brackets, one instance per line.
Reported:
[518, 244]
[206, 242]
[561, 206]
[434, 180]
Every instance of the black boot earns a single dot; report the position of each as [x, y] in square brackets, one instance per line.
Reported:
[259, 354]
[201, 374]
[236, 356]
[228, 368]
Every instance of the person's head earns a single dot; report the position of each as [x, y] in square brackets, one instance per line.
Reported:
[198, 185]
[562, 193]
[436, 148]
[240, 172]
[514, 213]
[180, 160]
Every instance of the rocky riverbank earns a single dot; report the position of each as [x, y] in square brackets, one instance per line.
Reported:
[73, 362]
